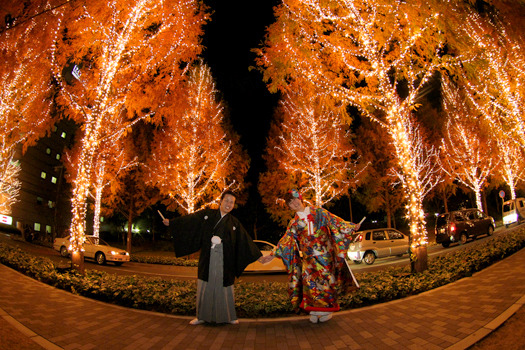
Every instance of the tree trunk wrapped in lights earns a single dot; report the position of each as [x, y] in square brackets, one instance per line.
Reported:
[310, 149]
[119, 58]
[9, 185]
[376, 55]
[196, 155]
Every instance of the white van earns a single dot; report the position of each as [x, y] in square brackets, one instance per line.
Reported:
[513, 211]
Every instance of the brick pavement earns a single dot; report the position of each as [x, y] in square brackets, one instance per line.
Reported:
[451, 317]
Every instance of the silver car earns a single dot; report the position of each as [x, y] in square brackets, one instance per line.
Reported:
[369, 245]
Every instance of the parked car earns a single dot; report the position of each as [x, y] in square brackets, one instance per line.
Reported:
[513, 211]
[276, 265]
[462, 225]
[94, 248]
[370, 245]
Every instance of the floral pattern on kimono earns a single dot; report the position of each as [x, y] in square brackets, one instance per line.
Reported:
[314, 258]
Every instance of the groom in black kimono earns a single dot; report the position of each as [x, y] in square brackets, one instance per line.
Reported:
[225, 251]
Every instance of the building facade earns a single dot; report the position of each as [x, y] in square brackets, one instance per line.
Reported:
[44, 206]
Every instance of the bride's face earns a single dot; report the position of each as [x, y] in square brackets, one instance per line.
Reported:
[296, 205]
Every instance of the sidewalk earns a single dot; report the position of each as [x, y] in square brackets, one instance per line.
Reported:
[451, 317]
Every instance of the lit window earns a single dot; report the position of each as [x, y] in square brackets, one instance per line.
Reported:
[43, 174]
[54, 180]
[48, 229]
[48, 150]
[58, 156]
[63, 134]
[37, 226]
[39, 200]
[50, 204]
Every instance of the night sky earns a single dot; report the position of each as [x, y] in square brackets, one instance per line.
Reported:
[235, 28]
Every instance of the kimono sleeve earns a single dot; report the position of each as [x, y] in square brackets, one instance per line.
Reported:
[341, 231]
[285, 249]
[246, 251]
[187, 232]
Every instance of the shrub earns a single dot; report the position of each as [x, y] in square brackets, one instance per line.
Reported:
[162, 260]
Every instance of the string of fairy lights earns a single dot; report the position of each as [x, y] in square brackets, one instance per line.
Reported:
[314, 142]
[23, 87]
[195, 153]
[468, 157]
[497, 91]
[371, 44]
[512, 164]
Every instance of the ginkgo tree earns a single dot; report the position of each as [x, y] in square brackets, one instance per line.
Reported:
[376, 55]
[114, 58]
[310, 144]
[196, 155]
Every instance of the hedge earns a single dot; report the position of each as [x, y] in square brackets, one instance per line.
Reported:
[254, 300]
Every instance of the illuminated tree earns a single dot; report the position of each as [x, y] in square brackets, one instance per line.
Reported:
[118, 59]
[9, 186]
[493, 70]
[112, 158]
[26, 92]
[195, 157]
[312, 146]
[512, 166]
[376, 55]
[109, 164]
[467, 150]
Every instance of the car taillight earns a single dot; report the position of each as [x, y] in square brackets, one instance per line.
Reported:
[452, 227]
[359, 238]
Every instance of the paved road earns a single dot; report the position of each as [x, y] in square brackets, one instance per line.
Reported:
[180, 272]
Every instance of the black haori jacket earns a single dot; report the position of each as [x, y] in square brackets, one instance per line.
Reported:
[193, 232]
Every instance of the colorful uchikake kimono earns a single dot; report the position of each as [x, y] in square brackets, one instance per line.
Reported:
[312, 249]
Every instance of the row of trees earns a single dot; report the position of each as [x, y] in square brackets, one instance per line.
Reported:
[380, 57]
[152, 128]
[149, 123]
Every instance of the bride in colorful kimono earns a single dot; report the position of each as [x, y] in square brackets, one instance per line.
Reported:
[312, 249]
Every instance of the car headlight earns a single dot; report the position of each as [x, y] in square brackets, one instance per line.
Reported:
[112, 252]
[353, 255]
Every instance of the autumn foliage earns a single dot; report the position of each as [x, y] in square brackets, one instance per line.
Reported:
[26, 89]
[309, 148]
[116, 63]
[196, 155]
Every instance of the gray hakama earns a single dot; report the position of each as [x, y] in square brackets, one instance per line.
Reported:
[215, 303]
